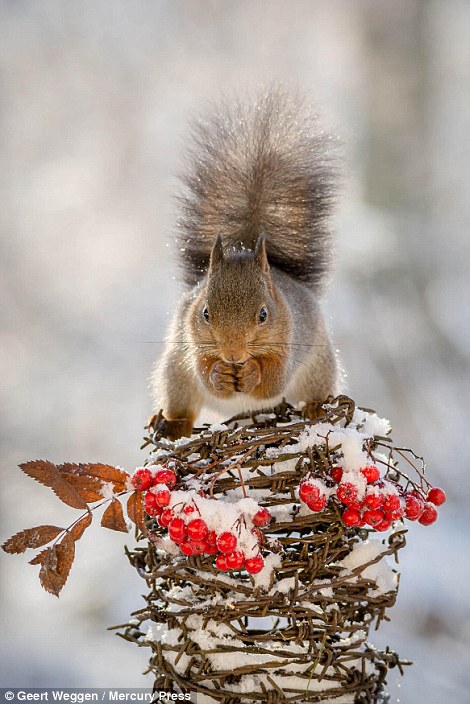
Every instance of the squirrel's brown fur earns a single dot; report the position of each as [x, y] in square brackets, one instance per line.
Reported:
[266, 167]
[255, 246]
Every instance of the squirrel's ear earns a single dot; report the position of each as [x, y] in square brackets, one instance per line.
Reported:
[261, 257]
[217, 254]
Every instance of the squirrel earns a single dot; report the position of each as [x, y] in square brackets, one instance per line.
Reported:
[255, 247]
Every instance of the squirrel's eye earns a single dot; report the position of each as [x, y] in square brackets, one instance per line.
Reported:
[263, 314]
[205, 313]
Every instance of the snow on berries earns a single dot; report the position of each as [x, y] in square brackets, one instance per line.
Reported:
[314, 493]
[370, 491]
[262, 518]
[371, 500]
[142, 479]
[365, 487]
[429, 515]
[370, 473]
[201, 525]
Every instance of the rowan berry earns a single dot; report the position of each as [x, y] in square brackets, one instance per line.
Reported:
[351, 517]
[177, 530]
[347, 493]
[151, 505]
[253, 565]
[142, 479]
[235, 560]
[197, 529]
[226, 542]
[308, 491]
[163, 497]
[373, 516]
[429, 514]
[436, 496]
[317, 505]
[262, 517]
[371, 473]
[165, 476]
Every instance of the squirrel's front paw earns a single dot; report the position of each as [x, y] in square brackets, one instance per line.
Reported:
[223, 377]
[242, 378]
[248, 376]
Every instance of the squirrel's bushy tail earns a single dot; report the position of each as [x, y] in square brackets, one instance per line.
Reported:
[264, 168]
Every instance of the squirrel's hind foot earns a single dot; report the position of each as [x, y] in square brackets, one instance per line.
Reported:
[313, 410]
[171, 429]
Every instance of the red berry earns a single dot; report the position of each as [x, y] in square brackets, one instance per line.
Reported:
[373, 498]
[336, 474]
[211, 537]
[197, 529]
[308, 491]
[373, 516]
[347, 493]
[142, 479]
[177, 530]
[163, 497]
[413, 507]
[318, 505]
[371, 473]
[221, 563]
[262, 517]
[394, 515]
[391, 502]
[226, 542]
[383, 525]
[165, 476]
[166, 518]
[235, 560]
[429, 514]
[198, 546]
[186, 547]
[352, 517]
[211, 549]
[253, 565]
[188, 509]
[436, 496]
[151, 504]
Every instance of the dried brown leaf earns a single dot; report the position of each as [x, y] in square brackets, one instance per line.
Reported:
[107, 473]
[42, 471]
[113, 517]
[40, 557]
[135, 510]
[48, 474]
[31, 538]
[56, 564]
[68, 494]
[80, 527]
[88, 488]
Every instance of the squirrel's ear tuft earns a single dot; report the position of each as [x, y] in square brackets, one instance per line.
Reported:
[217, 254]
[261, 258]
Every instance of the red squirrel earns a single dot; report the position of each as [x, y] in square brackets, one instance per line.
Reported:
[255, 247]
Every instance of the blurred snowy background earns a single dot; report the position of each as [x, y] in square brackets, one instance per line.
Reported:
[96, 96]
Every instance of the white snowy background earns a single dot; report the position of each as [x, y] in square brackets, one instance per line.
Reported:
[96, 96]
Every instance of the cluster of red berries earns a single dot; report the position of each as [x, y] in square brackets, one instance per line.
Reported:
[192, 534]
[382, 502]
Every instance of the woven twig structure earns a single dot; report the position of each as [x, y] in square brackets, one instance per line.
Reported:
[298, 631]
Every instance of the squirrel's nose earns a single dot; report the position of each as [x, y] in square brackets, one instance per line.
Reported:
[234, 356]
